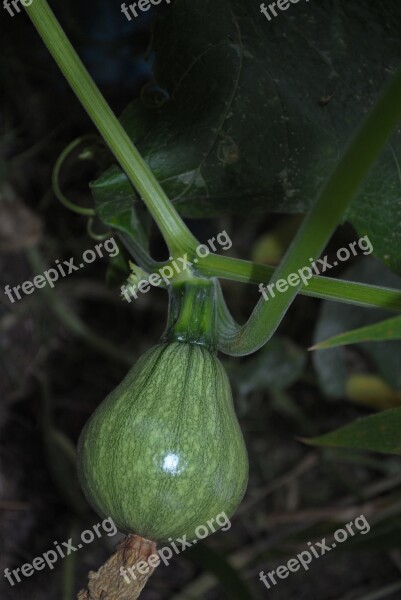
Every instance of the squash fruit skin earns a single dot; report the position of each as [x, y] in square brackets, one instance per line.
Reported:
[164, 453]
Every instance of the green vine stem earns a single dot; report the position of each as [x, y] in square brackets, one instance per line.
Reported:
[320, 222]
[177, 236]
[89, 212]
[326, 288]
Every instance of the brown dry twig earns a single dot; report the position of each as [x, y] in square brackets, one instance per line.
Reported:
[109, 584]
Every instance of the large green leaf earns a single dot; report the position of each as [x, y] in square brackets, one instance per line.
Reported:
[257, 113]
[379, 433]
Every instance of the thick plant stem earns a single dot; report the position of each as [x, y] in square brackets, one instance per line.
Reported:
[326, 288]
[192, 314]
[178, 237]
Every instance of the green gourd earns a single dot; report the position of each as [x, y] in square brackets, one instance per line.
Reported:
[163, 453]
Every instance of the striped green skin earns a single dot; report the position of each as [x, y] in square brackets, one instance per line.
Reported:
[164, 452]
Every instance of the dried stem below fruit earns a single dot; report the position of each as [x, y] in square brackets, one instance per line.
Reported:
[108, 584]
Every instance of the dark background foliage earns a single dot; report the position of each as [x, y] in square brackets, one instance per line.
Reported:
[52, 376]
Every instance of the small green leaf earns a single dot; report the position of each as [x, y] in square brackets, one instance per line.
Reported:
[332, 365]
[384, 331]
[377, 433]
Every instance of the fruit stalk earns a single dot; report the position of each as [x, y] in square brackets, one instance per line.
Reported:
[192, 313]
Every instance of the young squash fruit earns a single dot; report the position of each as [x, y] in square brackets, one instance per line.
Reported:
[164, 453]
